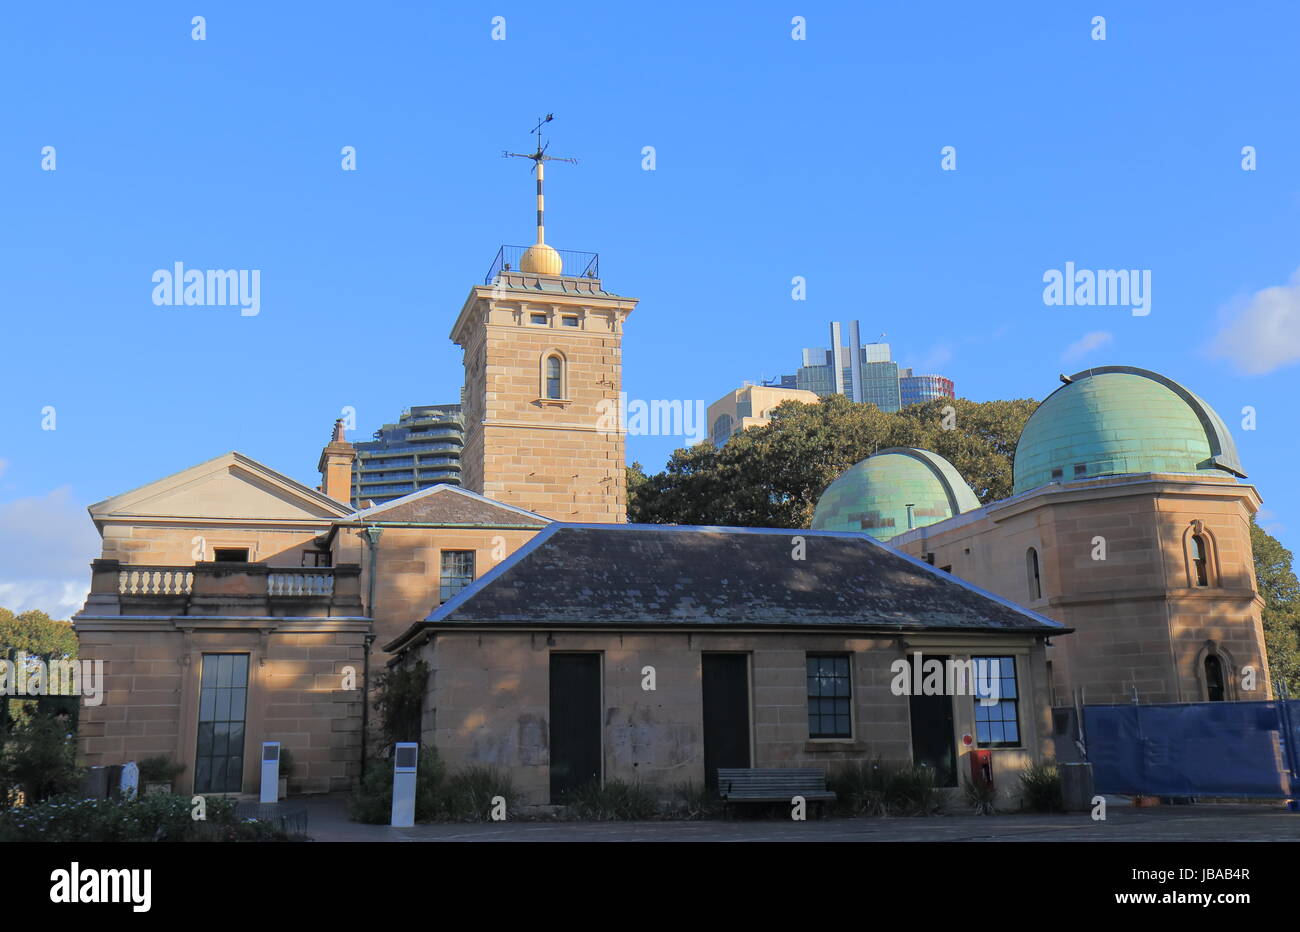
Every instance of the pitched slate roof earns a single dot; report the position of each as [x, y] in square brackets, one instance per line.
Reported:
[638, 575]
[449, 505]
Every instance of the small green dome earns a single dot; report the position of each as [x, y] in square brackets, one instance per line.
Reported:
[873, 496]
[1117, 420]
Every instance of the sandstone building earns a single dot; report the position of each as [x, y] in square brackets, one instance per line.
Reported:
[1128, 523]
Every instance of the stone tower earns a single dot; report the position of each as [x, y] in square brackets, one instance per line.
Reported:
[543, 373]
[543, 379]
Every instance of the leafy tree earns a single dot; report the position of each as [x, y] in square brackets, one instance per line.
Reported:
[36, 634]
[1277, 583]
[772, 476]
[39, 637]
[38, 757]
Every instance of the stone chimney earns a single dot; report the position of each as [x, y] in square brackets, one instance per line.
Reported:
[336, 466]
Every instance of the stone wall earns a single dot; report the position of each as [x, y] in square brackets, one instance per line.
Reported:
[488, 701]
[295, 693]
[1114, 564]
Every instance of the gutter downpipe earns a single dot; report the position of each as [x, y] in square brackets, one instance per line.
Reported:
[372, 535]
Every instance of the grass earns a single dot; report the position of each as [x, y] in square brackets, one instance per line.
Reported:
[616, 800]
[468, 794]
[870, 788]
[981, 797]
[691, 801]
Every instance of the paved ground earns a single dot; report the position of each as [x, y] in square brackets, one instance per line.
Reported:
[327, 821]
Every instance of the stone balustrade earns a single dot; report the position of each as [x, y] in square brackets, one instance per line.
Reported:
[155, 580]
[224, 589]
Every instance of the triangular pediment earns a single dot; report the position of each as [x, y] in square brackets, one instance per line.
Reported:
[229, 487]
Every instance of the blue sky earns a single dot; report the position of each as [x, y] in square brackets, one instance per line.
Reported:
[774, 158]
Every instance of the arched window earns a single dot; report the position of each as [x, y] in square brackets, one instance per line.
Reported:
[1035, 580]
[1200, 571]
[1214, 689]
[553, 377]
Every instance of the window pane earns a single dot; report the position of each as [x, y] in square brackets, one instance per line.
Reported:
[205, 739]
[237, 704]
[998, 724]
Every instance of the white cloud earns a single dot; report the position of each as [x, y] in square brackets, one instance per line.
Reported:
[46, 545]
[1268, 520]
[1087, 343]
[1262, 333]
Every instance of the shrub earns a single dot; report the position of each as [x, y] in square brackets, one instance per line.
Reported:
[286, 761]
[859, 788]
[163, 817]
[693, 801]
[870, 788]
[159, 769]
[981, 797]
[38, 759]
[616, 800]
[467, 795]
[400, 702]
[372, 801]
[911, 791]
[1041, 788]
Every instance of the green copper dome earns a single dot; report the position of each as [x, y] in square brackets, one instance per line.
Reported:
[873, 495]
[1116, 420]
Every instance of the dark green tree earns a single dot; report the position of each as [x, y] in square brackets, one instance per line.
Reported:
[37, 635]
[772, 476]
[1276, 580]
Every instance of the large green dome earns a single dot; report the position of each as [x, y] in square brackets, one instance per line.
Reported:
[873, 496]
[1117, 420]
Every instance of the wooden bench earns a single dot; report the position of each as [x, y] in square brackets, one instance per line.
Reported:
[739, 785]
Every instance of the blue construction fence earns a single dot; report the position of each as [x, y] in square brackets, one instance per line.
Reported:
[1225, 749]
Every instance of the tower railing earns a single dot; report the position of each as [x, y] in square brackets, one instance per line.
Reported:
[572, 264]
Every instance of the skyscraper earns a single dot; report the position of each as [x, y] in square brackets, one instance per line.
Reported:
[862, 372]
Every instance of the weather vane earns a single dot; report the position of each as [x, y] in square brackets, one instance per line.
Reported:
[539, 160]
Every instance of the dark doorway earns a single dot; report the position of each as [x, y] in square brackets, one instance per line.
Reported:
[726, 714]
[575, 722]
[932, 739]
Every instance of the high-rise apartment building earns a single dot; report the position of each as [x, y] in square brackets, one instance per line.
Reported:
[420, 450]
[918, 389]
